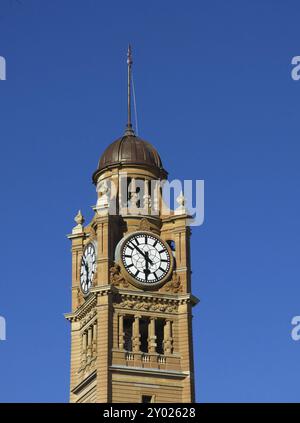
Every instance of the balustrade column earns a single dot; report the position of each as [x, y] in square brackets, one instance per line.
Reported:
[151, 336]
[136, 334]
[168, 340]
[147, 197]
[155, 199]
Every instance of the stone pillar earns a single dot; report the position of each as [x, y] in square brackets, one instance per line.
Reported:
[84, 348]
[123, 193]
[94, 352]
[186, 349]
[77, 250]
[151, 336]
[104, 318]
[104, 257]
[89, 341]
[155, 198]
[168, 337]
[121, 332]
[147, 197]
[136, 334]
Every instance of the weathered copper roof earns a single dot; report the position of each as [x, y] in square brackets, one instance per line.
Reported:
[129, 150]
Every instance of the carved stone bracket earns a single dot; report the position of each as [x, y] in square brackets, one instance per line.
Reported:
[174, 285]
[145, 225]
[80, 299]
[92, 233]
[116, 278]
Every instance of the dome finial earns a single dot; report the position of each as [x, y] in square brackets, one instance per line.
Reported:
[129, 130]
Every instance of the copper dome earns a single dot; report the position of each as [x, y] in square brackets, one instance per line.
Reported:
[129, 150]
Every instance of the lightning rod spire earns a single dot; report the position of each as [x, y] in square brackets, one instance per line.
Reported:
[129, 130]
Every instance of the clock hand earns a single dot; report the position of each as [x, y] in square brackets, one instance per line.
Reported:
[86, 269]
[142, 253]
[148, 260]
[147, 271]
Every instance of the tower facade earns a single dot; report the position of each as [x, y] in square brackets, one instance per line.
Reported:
[131, 318]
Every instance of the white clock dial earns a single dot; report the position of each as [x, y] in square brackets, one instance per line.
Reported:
[146, 258]
[88, 268]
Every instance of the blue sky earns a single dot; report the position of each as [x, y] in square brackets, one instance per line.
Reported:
[215, 96]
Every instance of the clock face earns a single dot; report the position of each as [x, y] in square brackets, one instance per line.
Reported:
[88, 268]
[146, 258]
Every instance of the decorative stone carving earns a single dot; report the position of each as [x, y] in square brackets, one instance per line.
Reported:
[80, 299]
[174, 285]
[145, 225]
[116, 278]
[148, 304]
[95, 277]
[79, 219]
[93, 234]
[88, 317]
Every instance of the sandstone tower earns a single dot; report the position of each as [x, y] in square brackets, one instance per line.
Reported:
[131, 319]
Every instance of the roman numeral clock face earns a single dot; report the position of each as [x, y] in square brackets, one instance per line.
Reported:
[146, 258]
[88, 268]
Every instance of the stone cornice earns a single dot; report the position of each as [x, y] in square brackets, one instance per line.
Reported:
[79, 235]
[84, 383]
[146, 371]
[83, 310]
[128, 299]
[179, 298]
[102, 290]
[90, 303]
[171, 217]
[158, 302]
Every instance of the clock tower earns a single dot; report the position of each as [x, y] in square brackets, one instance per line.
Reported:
[131, 318]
